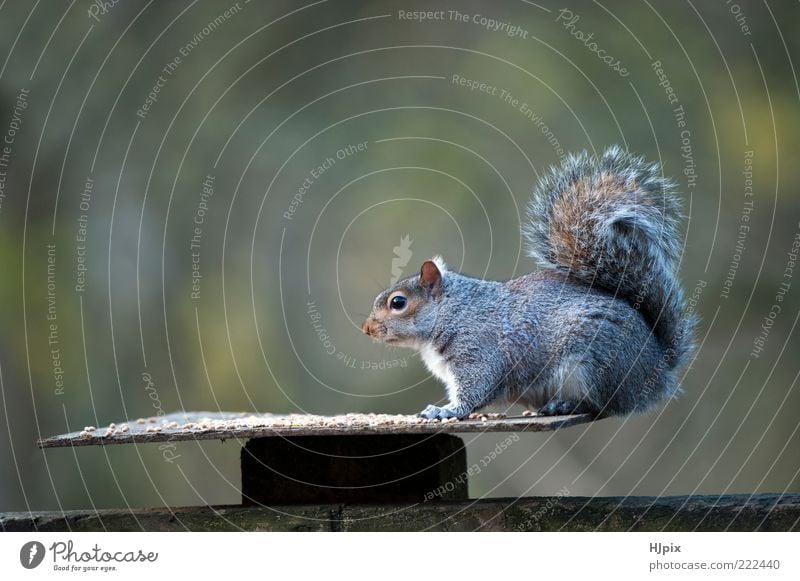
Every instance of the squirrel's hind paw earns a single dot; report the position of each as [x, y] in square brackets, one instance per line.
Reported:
[559, 407]
[434, 412]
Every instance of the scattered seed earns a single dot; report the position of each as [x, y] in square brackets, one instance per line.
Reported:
[244, 421]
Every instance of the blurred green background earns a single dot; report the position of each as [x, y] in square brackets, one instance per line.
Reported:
[241, 174]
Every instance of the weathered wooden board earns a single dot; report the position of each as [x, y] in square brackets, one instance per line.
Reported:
[188, 426]
[743, 512]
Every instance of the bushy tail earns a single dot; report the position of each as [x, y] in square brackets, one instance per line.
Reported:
[613, 222]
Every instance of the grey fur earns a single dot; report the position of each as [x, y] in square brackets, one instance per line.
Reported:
[604, 331]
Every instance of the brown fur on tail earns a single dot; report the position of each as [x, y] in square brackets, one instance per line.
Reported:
[613, 222]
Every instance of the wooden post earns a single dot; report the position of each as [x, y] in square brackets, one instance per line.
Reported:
[346, 469]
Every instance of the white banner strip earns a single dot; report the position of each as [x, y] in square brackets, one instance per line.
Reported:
[352, 556]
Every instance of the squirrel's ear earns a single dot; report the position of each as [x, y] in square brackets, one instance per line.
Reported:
[430, 278]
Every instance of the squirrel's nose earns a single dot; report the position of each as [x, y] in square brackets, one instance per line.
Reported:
[365, 327]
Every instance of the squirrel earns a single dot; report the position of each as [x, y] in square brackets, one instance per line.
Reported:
[601, 328]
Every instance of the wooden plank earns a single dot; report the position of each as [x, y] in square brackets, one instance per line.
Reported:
[189, 426]
[742, 512]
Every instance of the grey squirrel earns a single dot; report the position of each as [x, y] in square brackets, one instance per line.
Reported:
[601, 328]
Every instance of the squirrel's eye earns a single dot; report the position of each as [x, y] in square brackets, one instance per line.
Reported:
[398, 303]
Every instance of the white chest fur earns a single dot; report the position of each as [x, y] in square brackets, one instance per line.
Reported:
[440, 369]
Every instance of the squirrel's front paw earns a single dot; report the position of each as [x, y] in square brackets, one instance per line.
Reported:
[434, 412]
